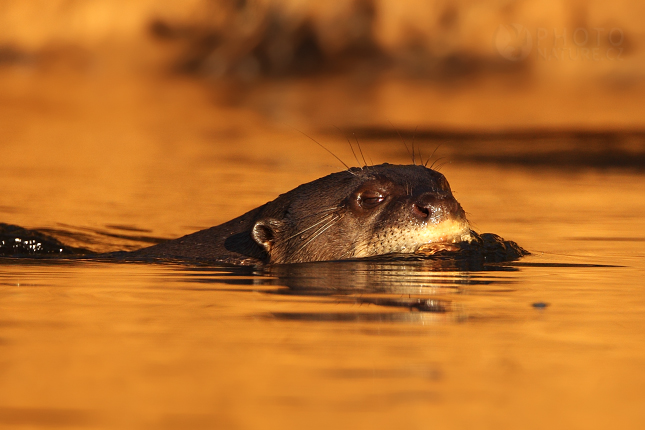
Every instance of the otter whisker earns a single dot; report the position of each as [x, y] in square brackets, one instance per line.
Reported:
[321, 212]
[414, 135]
[349, 253]
[403, 141]
[360, 150]
[323, 147]
[353, 152]
[324, 219]
[350, 146]
[435, 162]
[442, 164]
[432, 155]
[320, 231]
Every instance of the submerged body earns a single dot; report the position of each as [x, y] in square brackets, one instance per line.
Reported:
[356, 213]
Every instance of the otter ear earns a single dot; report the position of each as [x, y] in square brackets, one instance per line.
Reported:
[265, 232]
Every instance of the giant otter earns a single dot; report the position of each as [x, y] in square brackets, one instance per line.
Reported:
[359, 212]
[356, 213]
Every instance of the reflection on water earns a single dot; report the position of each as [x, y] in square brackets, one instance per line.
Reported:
[131, 345]
[573, 149]
[415, 286]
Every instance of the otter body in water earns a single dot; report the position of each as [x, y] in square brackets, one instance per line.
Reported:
[360, 212]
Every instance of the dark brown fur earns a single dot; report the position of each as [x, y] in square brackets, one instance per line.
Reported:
[334, 217]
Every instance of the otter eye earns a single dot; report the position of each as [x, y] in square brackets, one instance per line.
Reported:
[370, 199]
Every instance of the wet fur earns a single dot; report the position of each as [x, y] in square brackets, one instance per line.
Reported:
[312, 222]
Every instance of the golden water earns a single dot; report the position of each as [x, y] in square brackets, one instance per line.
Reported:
[86, 344]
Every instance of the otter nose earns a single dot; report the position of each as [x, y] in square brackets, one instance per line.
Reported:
[431, 204]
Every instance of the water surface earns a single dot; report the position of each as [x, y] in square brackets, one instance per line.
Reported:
[551, 341]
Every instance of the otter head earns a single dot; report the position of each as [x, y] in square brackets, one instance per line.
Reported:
[361, 212]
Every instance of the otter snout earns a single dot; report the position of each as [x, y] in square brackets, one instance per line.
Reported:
[435, 207]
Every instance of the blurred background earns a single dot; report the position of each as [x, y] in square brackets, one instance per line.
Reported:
[494, 65]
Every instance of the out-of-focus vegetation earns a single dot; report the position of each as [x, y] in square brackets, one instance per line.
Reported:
[284, 37]
[249, 40]
[450, 64]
